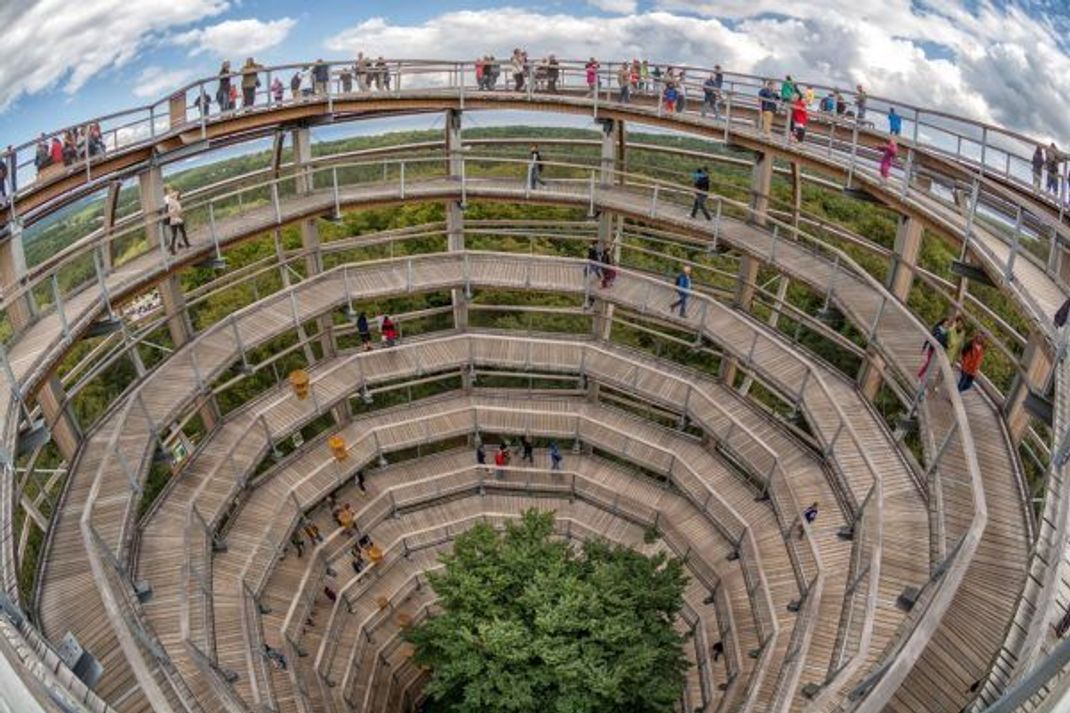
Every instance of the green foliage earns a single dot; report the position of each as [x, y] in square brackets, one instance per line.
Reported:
[532, 624]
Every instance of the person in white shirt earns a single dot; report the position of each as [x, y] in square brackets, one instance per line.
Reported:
[172, 201]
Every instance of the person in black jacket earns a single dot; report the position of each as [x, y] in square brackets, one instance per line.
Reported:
[701, 181]
[364, 331]
[222, 94]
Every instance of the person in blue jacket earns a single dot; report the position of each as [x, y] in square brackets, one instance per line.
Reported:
[683, 286]
[895, 122]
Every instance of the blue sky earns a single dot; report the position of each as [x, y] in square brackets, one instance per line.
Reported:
[62, 62]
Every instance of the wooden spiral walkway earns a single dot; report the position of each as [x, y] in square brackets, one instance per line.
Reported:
[83, 308]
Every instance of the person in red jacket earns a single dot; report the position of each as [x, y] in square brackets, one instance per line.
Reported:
[390, 331]
[972, 355]
[799, 118]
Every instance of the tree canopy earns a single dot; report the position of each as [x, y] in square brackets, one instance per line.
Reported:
[531, 623]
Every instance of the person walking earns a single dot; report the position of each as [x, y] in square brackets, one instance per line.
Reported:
[940, 333]
[594, 258]
[683, 287]
[669, 97]
[799, 119]
[972, 355]
[700, 179]
[528, 449]
[501, 460]
[1038, 167]
[624, 82]
[364, 331]
[297, 543]
[895, 122]
[321, 74]
[222, 93]
[389, 331]
[516, 65]
[788, 90]
[860, 103]
[888, 153]
[345, 75]
[555, 456]
[359, 480]
[956, 337]
[609, 274]
[481, 455]
[809, 515]
[711, 94]
[553, 71]
[535, 168]
[172, 201]
[591, 71]
[278, 90]
[250, 80]
[767, 105]
[1051, 163]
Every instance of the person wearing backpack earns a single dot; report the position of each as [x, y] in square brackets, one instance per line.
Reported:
[700, 179]
[939, 332]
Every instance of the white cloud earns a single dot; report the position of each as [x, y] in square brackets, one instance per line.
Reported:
[46, 42]
[155, 82]
[994, 64]
[623, 7]
[245, 37]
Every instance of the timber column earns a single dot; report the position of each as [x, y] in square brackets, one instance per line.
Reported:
[455, 212]
[761, 184]
[310, 233]
[900, 279]
[608, 223]
[905, 258]
[1036, 372]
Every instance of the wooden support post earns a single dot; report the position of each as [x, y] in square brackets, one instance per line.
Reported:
[111, 206]
[12, 276]
[310, 234]
[455, 216]
[905, 258]
[608, 223]
[180, 327]
[61, 423]
[871, 374]
[1037, 366]
[761, 184]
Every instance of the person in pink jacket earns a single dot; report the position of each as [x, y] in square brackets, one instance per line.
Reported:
[888, 153]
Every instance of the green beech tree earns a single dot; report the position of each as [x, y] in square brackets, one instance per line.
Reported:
[530, 623]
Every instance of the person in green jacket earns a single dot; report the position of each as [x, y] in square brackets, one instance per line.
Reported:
[956, 336]
[788, 90]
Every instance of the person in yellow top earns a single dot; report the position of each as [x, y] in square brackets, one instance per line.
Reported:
[956, 336]
[809, 97]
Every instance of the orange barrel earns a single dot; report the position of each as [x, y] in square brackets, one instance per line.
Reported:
[299, 381]
[338, 447]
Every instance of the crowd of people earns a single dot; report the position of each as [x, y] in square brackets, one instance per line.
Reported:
[75, 145]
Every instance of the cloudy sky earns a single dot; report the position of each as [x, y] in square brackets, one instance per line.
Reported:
[1004, 61]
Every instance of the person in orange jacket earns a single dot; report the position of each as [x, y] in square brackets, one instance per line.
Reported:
[972, 354]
